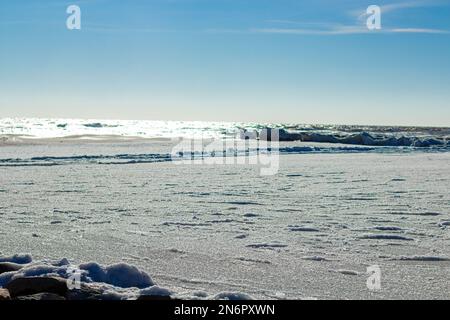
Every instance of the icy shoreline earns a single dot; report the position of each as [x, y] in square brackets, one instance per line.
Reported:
[310, 231]
[21, 278]
[70, 131]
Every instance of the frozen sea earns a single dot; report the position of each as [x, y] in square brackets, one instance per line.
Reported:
[310, 231]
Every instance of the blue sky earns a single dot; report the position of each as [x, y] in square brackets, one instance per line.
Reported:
[310, 61]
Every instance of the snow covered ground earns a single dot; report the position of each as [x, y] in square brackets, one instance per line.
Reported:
[310, 231]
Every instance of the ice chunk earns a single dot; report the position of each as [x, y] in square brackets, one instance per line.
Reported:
[121, 275]
[18, 258]
[232, 296]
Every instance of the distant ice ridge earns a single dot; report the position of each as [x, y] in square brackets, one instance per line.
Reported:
[33, 128]
[361, 138]
[115, 282]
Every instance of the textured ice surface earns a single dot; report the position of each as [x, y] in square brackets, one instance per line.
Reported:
[310, 231]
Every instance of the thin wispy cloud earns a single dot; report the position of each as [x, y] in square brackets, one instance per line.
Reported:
[419, 30]
[396, 6]
[407, 5]
[361, 13]
[336, 30]
[360, 16]
[412, 4]
[346, 30]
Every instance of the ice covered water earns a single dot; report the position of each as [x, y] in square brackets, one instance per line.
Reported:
[60, 128]
[310, 231]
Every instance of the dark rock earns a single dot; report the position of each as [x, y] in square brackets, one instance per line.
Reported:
[270, 134]
[32, 285]
[9, 266]
[4, 295]
[86, 292]
[154, 298]
[42, 297]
